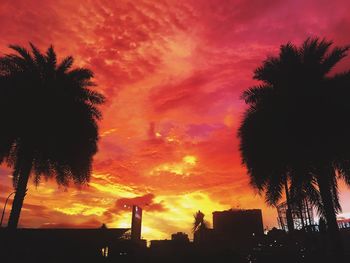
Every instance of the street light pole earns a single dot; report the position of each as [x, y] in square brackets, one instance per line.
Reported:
[3, 211]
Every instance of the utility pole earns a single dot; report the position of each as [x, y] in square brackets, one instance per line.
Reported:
[3, 210]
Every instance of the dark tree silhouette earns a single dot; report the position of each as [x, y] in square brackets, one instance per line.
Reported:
[296, 127]
[49, 120]
[200, 227]
[199, 223]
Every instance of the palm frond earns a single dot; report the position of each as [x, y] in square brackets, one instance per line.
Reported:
[65, 65]
[63, 136]
[23, 52]
[335, 56]
[51, 57]
[39, 58]
[80, 74]
[255, 94]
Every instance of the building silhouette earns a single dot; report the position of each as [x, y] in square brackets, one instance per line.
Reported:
[238, 223]
[299, 214]
[61, 244]
[136, 222]
[234, 229]
[74, 244]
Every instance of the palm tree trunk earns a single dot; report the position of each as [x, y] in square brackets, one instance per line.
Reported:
[289, 215]
[21, 190]
[300, 204]
[306, 202]
[323, 181]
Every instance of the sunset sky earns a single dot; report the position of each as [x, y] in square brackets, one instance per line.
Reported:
[172, 72]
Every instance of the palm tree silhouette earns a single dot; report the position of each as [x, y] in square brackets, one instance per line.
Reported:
[295, 128]
[50, 121]
[199, 224]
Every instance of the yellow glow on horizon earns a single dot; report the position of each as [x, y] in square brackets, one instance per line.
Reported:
[123, 220]
[179, 168]
[153, 233]
[114, 189]
[190, 159]
[171, 168]
[179, 215]
[80, 209]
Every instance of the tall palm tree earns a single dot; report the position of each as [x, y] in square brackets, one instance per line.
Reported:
[49, 120]
[296, 126]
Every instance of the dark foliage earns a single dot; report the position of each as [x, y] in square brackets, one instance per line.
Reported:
[297, 120]
[296, 127]
[49, 117]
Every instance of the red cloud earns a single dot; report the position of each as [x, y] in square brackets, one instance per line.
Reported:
[146, 202]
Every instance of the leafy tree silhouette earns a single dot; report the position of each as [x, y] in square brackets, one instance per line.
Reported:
[200, 226]
[199, 223]
[49, 119]
[296, 128]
